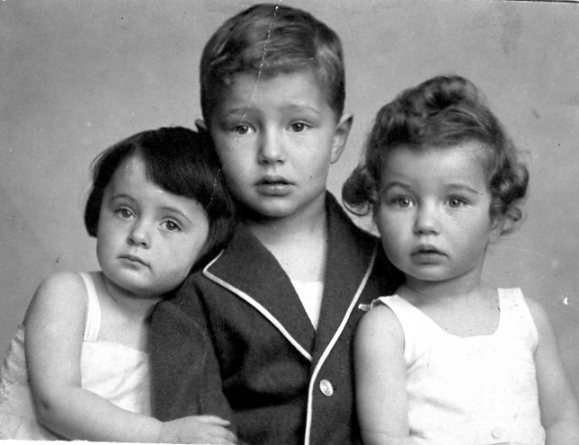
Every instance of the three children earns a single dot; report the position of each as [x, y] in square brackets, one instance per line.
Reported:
[262, 337]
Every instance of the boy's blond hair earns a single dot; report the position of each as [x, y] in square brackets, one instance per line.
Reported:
[269, 39]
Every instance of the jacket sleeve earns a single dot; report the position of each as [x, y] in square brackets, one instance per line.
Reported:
[185, 375]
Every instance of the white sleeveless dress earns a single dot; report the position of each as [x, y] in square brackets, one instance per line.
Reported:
[116, 372]
[471, 390]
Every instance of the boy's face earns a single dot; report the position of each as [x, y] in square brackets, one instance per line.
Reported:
[276, 137]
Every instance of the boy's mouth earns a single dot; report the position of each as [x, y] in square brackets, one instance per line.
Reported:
[427, 252]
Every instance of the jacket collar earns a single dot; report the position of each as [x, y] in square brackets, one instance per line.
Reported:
[251, 272]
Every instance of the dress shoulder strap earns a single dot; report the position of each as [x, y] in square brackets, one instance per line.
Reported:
[517, 315]
[93, 309]
[408, 314]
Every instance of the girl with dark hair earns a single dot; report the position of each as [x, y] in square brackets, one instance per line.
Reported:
[78, 367]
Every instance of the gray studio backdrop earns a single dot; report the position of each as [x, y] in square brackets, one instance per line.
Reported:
[77, 76]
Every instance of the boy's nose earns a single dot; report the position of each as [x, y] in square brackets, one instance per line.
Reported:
[270, 148]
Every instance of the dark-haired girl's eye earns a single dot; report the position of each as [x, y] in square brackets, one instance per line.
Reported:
[172, 226]
[124, 212]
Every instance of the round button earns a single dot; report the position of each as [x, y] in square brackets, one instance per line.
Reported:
[497, 433]
[326, 388]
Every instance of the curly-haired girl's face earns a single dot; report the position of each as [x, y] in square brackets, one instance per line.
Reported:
[434, 212]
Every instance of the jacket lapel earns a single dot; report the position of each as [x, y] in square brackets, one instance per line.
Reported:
[253, 274]
[350, 255]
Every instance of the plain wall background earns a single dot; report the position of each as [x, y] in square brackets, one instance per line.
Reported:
[76, 77]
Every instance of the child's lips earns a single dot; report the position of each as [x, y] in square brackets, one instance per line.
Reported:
[133, 259]
[427, 253]
[274, 185]
[272, 179]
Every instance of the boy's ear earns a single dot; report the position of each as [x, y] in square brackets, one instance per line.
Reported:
[201, 125]
[341, 136]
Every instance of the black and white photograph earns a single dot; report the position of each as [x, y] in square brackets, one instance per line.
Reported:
[296, 222]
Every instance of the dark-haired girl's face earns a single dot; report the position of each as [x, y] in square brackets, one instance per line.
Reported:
[148, 239]
[434, 212]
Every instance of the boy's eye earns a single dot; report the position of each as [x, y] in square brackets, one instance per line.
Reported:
[241, 129]
[299, 127]
[172, 226]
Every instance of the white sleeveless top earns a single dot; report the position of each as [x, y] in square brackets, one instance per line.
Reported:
[115, 372]
[471, 390]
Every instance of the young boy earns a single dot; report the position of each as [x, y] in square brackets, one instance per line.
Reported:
[263, 335]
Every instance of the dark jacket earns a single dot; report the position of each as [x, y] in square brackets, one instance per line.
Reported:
[237, 342]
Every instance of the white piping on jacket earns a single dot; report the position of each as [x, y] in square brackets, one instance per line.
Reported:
[328, 349]
[268, 315]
